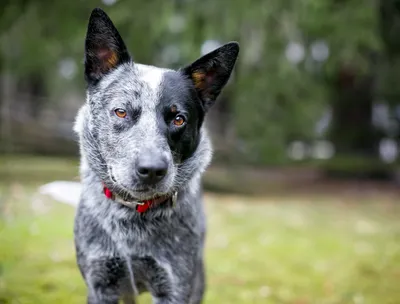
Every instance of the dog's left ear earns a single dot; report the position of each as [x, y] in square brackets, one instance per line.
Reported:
[104, 48]
[211, 72]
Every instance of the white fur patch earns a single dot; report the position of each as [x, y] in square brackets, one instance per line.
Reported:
[78, 125]
[116, 74]
[151, 75]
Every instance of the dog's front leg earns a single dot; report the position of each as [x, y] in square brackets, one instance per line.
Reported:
[96, 297]
[199, 284]
[171, 300]
[104, 280]
[102, 291]
[174, 296]
[179, 293]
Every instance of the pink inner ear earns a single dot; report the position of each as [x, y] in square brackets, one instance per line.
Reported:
[108, 58]
[209, 78]
[203, 80]
[104, 54]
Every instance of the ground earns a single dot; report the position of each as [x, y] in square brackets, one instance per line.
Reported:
[270, 249]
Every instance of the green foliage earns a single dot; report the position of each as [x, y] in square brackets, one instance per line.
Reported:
[273, 99]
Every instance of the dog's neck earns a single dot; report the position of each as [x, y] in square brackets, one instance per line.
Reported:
[141, 206]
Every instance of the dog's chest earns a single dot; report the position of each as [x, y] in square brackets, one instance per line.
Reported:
[154, 275]
[156, 262]
[143, 236]
[159, 253]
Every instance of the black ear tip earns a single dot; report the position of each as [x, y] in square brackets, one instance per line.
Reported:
[233, 44]
[98, 13]
[97, 10]
[232, 48]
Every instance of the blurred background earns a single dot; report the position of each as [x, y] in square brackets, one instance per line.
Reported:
[303, 192]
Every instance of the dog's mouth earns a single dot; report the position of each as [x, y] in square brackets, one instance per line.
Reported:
[136, 194]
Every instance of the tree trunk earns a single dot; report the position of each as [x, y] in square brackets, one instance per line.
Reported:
[355, 139]
[389, 26]
[6, 89]
[352, 99]
[33, 89]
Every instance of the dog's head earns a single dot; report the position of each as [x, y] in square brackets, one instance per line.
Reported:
[141, 129]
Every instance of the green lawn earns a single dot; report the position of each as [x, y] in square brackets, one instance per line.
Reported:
[259, 250]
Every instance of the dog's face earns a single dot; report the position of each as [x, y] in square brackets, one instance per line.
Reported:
[143, 124]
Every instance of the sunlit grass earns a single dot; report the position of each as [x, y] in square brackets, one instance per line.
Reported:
[269, 250]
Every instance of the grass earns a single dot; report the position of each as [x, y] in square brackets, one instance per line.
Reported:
[259, 250]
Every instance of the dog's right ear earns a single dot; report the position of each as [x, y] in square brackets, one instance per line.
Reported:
[104, 48]
[211, 72]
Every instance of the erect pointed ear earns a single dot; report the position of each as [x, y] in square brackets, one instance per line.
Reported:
[104, 47]
[211, 72]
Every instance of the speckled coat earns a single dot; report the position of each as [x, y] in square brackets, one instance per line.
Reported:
[134, 110]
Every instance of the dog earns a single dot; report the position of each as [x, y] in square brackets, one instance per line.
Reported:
[140, 224]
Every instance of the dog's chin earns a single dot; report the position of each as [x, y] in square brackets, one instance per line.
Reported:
[148, 195]
[138, 192]
[142, 193]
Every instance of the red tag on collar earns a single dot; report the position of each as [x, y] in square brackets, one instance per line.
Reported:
[139, 208]
[146, 205]
[107, 192]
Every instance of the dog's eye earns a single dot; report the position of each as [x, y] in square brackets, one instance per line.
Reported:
[179, 120]
[121, 113]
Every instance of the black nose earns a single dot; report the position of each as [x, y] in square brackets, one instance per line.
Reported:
[150, 169]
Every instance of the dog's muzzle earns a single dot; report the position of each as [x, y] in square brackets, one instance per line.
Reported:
[141, 206]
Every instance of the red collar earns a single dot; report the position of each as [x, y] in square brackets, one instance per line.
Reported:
[140, 206]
